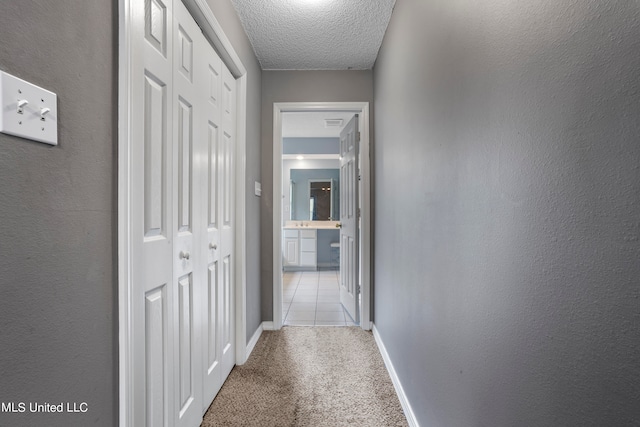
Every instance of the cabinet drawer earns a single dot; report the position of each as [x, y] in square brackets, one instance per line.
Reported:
[290, 234]
[308, 233]
[308, 245]
[308, 259]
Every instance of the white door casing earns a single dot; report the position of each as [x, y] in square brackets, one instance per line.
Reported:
[362, 109]
[349, 212]
[164, 256]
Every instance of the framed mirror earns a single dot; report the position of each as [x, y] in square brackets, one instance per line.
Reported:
[314, 194]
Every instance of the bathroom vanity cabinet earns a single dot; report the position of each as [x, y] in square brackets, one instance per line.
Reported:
[300, 249]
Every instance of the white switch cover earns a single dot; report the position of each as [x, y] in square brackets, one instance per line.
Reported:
[258, 187]
[35, 119]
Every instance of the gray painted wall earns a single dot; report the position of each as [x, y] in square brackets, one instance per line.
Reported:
[325, 239]
[58, 271]
[508, 221]
[310, 145]
[296, 86]
[226, 15]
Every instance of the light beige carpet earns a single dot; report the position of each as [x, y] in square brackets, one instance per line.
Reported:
[305, 376]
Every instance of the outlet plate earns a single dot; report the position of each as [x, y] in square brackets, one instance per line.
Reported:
[29, 124]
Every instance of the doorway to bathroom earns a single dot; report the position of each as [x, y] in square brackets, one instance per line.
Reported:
[321, 227]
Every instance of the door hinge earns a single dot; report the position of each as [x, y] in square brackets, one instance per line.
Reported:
[358, 212]
[358, 137]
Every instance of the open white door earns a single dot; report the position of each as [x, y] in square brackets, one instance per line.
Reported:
[349, 212]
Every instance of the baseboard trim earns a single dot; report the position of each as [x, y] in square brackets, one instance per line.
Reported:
[264, 326]
[253, 341]
[406, 406]
[267, 326]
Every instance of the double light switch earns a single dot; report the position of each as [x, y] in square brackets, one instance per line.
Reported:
[28, 111]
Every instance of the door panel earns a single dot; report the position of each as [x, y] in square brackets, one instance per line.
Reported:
[349, 218]
[156, 25]
[185, 313]
[185, 130]
[213, 354]
[155, 154]
[155, 349]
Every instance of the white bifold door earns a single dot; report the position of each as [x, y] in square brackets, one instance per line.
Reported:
[183, 151]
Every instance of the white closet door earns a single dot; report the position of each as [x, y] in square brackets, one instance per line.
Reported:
[218, 88]
[227, 212]
[187, 136]
[183, 197]
[152, 217]
[211, 87]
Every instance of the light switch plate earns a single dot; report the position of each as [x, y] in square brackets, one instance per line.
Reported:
[37, 120]
[258, 188]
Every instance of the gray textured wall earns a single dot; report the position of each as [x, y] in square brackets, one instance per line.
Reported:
[508, 210]
[58, 280]
[226, 15]
[296, 86]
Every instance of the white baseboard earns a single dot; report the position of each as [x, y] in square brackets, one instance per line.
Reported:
[267, 326]
[253, 341]
[406, 407]
[264, 326]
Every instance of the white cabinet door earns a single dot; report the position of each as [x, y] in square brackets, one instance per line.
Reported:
[308, 259]
[291, 251]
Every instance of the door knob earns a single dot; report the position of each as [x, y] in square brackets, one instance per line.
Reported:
[338, 225]
[184, 255]
[213, 246]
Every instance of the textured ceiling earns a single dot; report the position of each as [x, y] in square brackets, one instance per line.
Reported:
[311, 125]
[315, 34]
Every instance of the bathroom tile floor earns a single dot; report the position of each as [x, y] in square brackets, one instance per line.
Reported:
[312, 298]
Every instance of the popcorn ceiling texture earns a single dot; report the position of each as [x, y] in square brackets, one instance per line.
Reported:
[315, 34]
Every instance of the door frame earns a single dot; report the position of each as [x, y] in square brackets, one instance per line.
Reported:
[130, 25]
[361, 108]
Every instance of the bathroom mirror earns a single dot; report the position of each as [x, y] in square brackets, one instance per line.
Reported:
[320, 200]
[314, 194]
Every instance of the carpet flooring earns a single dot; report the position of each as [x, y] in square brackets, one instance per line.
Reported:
[309, 376]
